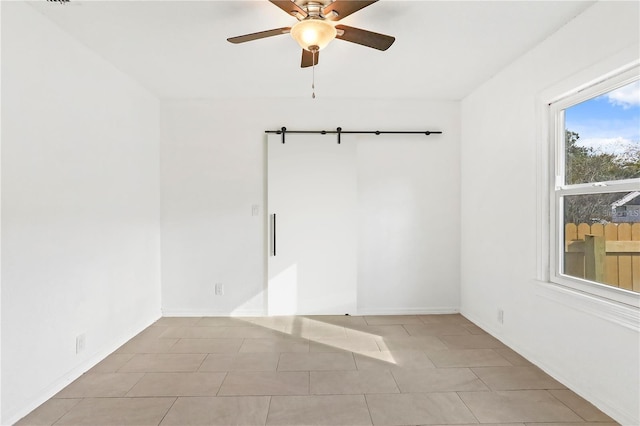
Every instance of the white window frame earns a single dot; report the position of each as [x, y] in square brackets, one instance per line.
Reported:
[558, 189]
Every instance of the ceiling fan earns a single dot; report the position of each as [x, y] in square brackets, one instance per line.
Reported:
[313, 31]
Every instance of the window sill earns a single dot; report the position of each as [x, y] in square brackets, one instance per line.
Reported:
[601, 291]
[626, 314]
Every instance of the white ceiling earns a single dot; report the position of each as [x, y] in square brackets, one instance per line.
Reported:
[178, 49]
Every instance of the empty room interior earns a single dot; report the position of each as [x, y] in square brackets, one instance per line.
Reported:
[432, 216]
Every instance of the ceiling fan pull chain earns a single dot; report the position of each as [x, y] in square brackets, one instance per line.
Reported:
[313, 76]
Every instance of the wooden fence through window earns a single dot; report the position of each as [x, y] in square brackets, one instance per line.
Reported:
[608, 254]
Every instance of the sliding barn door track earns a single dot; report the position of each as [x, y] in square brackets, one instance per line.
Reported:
[339, 132]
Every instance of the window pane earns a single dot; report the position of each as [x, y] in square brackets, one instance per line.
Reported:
[602, 137]
[602, 238]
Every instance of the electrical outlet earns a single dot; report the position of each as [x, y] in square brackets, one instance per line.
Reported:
[219, 289]
[500, 316]
[255, 210]
[81, 341]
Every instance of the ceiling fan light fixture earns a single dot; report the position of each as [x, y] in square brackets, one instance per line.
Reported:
[313, 34]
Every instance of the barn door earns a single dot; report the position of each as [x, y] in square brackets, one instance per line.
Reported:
[312, 206]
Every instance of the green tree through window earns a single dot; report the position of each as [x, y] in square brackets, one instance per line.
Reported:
[583, 165]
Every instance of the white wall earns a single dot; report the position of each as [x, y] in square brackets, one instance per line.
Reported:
[213, 171]
[0, 228]
[80, 201]
[581, 341]
[409, 230]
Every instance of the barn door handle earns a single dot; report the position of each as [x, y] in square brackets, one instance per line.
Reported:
[273, 235]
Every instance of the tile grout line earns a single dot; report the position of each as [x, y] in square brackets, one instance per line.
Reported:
[201, 362]
[266, 419]
[483, 382]
[226, 374]
[443, 342]
[134, 385]
[174, 344]
[165, 414]
[465, 404]
[65, 413]
[405, 329]
[366, 401]
[395, 381]
[500, 355]
[430, 360]
[379, 341]
[561, 402]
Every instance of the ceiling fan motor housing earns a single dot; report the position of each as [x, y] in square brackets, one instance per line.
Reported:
[313, 9]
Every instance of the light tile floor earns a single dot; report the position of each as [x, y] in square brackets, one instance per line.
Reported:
[315, 370]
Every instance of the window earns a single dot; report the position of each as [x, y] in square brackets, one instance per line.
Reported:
[595, 198]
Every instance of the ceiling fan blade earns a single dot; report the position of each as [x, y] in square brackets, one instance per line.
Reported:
[308, 57]
[290, 7]
[364, 37]
[257, 36]
[342, 8]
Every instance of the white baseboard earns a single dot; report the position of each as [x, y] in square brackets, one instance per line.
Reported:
[213, 313]
[605, 406]
[409, 311]
[261, 313]
[59, 384]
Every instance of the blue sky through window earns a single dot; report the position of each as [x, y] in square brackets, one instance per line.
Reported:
[609, 123]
